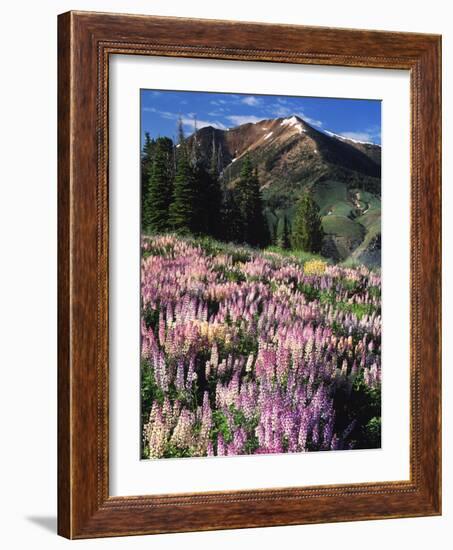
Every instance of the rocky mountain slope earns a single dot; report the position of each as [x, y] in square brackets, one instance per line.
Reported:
[343, 175]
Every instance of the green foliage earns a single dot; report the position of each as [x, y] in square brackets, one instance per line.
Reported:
[220, 425]
[250, 203]
[310, 292]
[172, 451]
[283, 233]
[213, 247]
[341, 225]
[181, 212]
[232, 223]
[207, 203]
[299, 255]
[158, 193]
[147, 157]
[151, 317]
[234, 276]
[148, 393]
[359, 310]
[196, 200]
[269, 163]
[307, 231]
[246, 343]
[327, 193]
[213, 200]
[374, 291]
[372, 433]
[362, 404]
[251, 444]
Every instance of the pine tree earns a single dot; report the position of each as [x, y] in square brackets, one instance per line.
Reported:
[147, 151]
[147, 158]
[284, 238]
[213, 165]
[201, 186]
[231, 229]
[214, 194]
[181, 136]
[307, 231]
[201, 205]
[158, 193]
[181, 147]
[250, 202]
[194, 149]
[181, 212]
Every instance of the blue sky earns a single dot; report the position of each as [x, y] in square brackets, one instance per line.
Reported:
[354, 118]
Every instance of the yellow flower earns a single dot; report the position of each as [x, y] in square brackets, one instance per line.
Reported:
[315, 267]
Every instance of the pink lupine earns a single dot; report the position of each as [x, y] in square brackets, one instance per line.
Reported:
[179, 381]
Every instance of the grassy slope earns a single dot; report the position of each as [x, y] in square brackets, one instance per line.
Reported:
[351, 219]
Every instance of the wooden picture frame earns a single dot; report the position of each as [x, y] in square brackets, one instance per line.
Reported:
[85, 42]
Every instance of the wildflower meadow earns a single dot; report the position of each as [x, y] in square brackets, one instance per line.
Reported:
[249, 351]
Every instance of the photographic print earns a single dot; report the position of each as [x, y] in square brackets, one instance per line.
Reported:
[260, 274]
[220, 275]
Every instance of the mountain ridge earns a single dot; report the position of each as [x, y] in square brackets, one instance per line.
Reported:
[291, 156]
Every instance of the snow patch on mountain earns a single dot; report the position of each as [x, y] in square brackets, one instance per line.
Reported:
[344, 138]
[295, 122]
[267, 136]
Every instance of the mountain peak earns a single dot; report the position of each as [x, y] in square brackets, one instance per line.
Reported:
[293, 119]
[295, 123]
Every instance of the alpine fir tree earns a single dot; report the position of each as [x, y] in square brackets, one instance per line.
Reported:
[307, 231]
[158, 193]
[147, 152]
[231, 229]
[201, 187]
[284, 237]
[147, 158]
[251, 206]
[181, 212]
[201, 205]
[214, 193]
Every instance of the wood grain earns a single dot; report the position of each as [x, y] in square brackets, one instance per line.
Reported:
[86, 40]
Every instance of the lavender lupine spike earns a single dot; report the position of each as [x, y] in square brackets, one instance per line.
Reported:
[179, 381]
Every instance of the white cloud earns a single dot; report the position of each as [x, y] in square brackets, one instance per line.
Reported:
[363, 136]
[251, 101]
[165, 114]
[281, 111]
[188, 119]
[189, 123]
[311, 121]
[243, 119]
